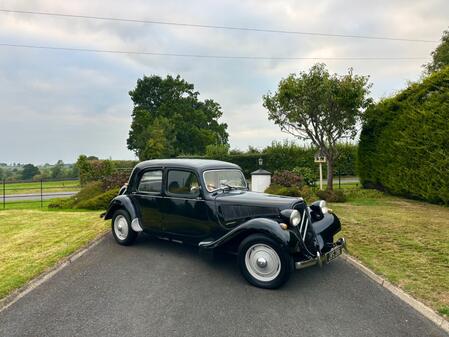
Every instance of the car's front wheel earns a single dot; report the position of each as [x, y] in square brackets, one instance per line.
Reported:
[263, 262]
[121, 228]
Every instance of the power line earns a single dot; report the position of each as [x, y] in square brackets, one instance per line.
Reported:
[232, 57]
[251, 29]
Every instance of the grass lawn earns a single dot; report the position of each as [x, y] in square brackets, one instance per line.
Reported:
[25, 204]
[405, 241]
[344, 185]
[33, 241]
[35, 187]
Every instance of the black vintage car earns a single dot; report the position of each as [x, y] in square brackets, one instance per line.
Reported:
[207, 203]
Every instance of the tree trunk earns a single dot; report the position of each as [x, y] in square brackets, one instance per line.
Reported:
[330, 173]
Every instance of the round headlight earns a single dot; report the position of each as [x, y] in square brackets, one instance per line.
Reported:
[295, 218]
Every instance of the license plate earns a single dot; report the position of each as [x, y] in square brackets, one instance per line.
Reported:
[334, 253]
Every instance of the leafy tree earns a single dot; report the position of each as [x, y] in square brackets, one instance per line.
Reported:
[235, 152]
[57, 171]
[253, 150]
[92, 158]
[29, 171]
[320, 107]
[169, 119]
[440, 56]
[159, 139]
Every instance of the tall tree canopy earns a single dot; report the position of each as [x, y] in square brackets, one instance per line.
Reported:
[29, 171]
[169, 119]
[320, 107]
[440, 56]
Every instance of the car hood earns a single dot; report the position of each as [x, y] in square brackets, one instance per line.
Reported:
[238, 205]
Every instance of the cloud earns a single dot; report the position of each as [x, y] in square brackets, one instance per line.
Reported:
[56, 104]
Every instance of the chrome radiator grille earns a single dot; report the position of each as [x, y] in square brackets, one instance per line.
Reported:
[305, 221]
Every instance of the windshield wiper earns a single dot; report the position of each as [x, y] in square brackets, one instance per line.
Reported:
[228, 187]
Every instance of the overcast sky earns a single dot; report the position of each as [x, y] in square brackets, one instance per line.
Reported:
[58, 104]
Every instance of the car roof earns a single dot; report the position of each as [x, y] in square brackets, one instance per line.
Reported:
[194, 164]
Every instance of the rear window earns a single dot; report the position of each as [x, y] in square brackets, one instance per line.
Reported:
[151, 182]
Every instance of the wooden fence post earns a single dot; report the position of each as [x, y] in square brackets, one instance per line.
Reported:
[42, 201]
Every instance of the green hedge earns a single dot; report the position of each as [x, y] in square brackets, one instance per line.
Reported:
[278, 156]
[404, 144]
[287, 156]
[93, 170]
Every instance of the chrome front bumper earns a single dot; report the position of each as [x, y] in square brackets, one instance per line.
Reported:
[336, 251]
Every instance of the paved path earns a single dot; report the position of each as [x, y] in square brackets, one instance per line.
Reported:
[36, 196]
[157, 288]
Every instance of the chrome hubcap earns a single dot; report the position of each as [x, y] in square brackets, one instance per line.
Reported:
[121, 227]
[262, 262]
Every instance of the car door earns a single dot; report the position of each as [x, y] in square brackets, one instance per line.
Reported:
[185, 212]
[148, 198]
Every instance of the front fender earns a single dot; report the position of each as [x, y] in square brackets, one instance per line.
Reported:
[121, 202]
[326, 228]
[286, 238]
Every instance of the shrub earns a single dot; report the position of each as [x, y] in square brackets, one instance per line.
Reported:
[93, 170]
[287, 179]
[98, 202]
[331, 196]
[404, 144]
[305, 192]
[88, 191]
[306, 173]
[61, 203]
[115, 180]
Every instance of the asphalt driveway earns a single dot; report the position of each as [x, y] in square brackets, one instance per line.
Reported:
[157, 288]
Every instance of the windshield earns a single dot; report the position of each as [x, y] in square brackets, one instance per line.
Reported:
[217, 179]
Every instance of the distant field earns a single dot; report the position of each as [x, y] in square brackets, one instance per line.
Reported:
[35, 187]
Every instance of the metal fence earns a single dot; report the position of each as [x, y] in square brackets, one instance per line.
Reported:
[36, 191]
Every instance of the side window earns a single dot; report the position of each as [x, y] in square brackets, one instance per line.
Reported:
[182, 182]
[151, 182]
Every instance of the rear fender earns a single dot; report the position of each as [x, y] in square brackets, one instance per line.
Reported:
[286, 238]
[121, 202]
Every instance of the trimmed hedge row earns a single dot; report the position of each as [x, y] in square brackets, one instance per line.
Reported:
[279, 156]
[287, 156]
[404, 144]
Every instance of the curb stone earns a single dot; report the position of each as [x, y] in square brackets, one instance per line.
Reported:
[398, 292]
[34, 283]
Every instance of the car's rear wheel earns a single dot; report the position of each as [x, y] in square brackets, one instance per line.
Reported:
[121, 228]
[263, 262]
